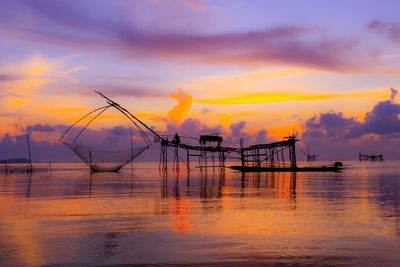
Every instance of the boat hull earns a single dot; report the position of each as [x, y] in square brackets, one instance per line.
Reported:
[277, 169]
[96, 168]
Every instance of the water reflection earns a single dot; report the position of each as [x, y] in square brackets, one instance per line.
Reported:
[388, 198]
[29, 187]
[213, 185]
[72, 217]
[110, 245]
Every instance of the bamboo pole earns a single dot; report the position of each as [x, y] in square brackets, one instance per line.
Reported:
[90, 160]
[30, 156]
[131, 150]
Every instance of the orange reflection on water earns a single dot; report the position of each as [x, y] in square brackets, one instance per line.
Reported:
[70, 217]
[179, 213]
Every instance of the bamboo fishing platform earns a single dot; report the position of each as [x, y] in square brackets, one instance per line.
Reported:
[272, 157]
[277, 157]
[371, 158]
[208, 156]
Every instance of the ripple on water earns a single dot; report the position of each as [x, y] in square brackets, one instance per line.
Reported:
[69, 217]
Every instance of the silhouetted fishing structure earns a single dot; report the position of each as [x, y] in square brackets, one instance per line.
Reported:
[310, 157]
[272, 157]
[371, 158]
[276, 157]
[209, 153]
[108, 161]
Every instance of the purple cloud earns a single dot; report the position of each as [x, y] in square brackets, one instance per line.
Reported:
[237, 128]
[393, 94]
[120, 131]
[8, 77]
[383, 119]
[41, 128]
[261, 137]
[74, 24]
[193, 128]
[330, 126]
[334, 133]
[16, 147]
[124, 90]
[390, 30]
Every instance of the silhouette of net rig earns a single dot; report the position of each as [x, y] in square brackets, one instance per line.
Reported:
[100, 160]
[371, 158]
[208, 153]
[310, 157]
[271, 155]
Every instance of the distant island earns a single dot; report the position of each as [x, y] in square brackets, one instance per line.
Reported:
[15, 160]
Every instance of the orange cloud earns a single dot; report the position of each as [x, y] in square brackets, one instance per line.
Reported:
[177, 112]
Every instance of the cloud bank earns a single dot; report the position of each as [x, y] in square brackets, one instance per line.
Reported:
[333, 133]
[76, 25]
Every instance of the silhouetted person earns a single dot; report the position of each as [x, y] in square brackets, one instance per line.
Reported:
[176, 140]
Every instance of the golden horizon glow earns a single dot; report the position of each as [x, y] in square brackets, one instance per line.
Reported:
[265, 98]
[277, 97]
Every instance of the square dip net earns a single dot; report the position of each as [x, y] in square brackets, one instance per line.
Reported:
[97, 158]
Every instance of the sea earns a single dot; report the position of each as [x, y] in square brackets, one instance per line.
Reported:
[142, 216]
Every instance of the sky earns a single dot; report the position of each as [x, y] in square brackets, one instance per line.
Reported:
[325, 70]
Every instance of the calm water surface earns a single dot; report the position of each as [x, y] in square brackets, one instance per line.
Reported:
[70, 218]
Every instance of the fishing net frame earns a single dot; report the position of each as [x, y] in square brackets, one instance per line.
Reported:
[90, 156]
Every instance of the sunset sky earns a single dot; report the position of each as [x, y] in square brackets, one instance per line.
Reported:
[327, 70]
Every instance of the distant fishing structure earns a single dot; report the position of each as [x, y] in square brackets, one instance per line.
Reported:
[371, 158]
[13, 165]
[310, 157]
[209, 153]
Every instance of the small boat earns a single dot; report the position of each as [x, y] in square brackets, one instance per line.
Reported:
[98, 168]
[336, 167]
